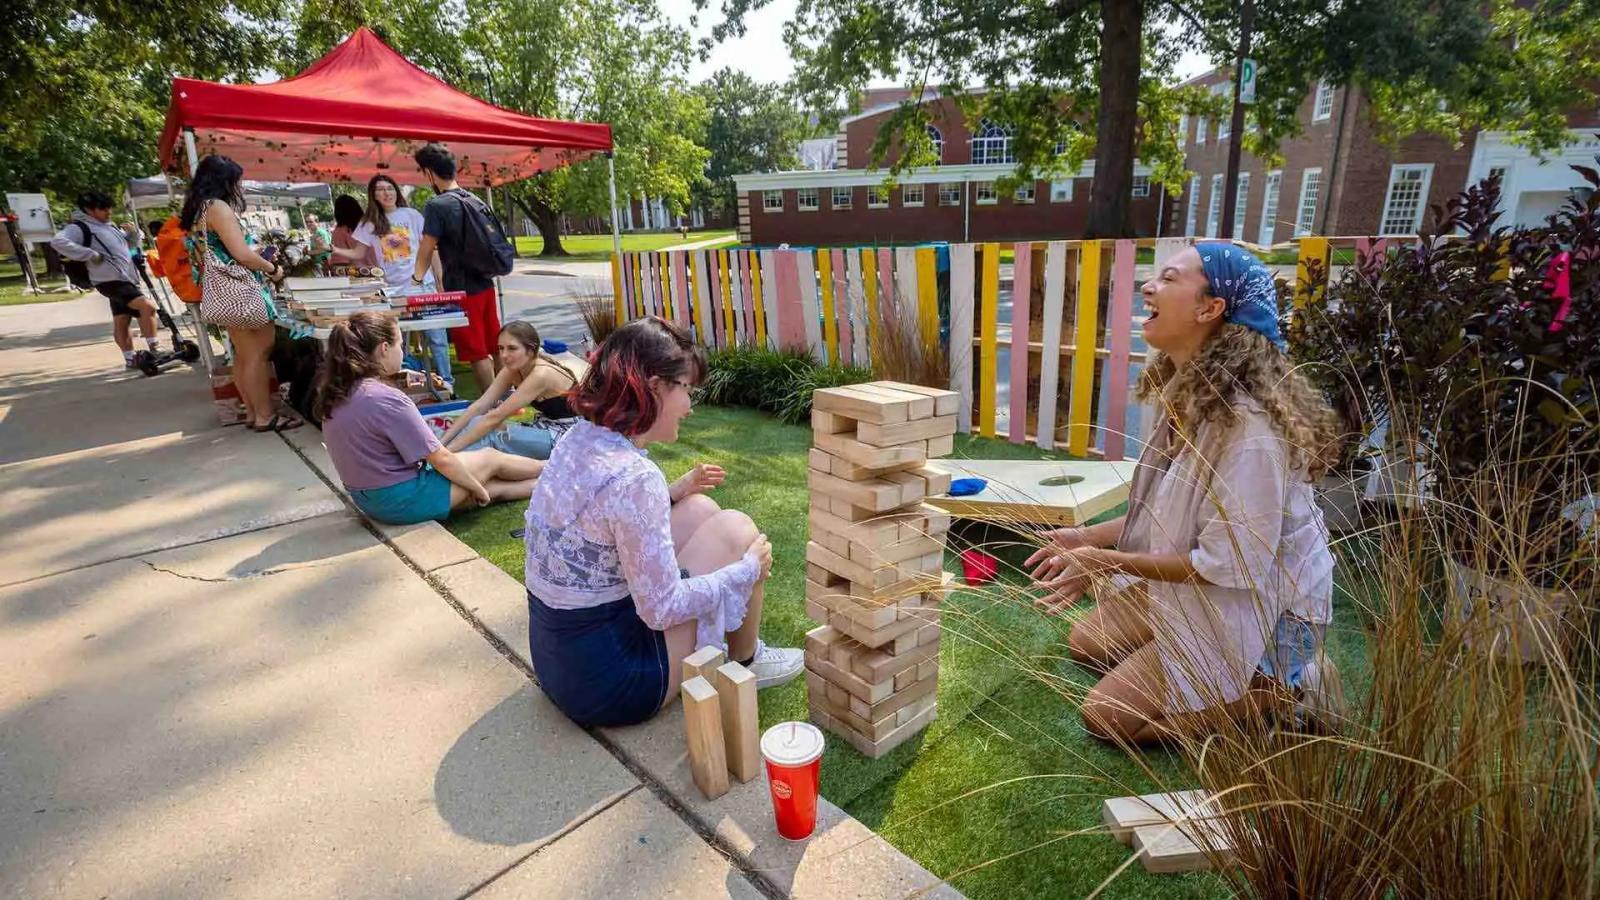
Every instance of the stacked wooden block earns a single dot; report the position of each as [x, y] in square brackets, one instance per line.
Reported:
[874, 565]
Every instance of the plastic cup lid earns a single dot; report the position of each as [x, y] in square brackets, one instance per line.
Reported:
[792, 743]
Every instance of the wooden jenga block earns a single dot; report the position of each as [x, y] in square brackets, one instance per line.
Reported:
[1123, 814]
[827, 423]
[885, 709]
[913, 548]
[945, 402]
[736, 697]
[851, 683]
[1167, 849]
[920, 406]
[875, 749]
[877, 407]
[702, 662]
[870, 533]
[819, 460]
[871, 578]
[887, 634]
[928, 669]
[890, 435]
[888, 720]
[849, 512]
[849, 471]
[941, 446]
[913, 487]
[860, 615]
[815, 611]
[820, 639]
[846, 446]
[875, 665]
[875, 494]
[915, 582]
[938, 480]
[702, 720]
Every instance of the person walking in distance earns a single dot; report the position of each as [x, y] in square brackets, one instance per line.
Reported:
[91, 238]
[469, 240]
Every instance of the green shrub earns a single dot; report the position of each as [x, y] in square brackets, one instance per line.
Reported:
[775, 381]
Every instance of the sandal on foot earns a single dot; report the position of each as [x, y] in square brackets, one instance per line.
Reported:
[279, 424]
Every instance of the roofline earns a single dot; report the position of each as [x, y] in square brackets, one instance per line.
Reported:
[928, 94]
[770, 181]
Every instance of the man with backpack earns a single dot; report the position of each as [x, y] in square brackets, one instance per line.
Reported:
[474, 250]
[98, 257]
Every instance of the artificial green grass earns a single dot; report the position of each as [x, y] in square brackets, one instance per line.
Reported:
[591, 247]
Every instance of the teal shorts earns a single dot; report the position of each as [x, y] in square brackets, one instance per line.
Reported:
[425, 498]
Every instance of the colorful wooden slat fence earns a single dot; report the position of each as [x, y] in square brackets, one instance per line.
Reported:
[1021, 297]
[962, 296]
[1055, 287]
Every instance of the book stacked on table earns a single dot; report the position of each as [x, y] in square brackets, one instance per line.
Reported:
[431, 305]
[324, 302]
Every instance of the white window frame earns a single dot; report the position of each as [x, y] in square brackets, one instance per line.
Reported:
[1241, 200]
[1200, 131]
[1061, 191]
[877, 198]
[800, 199]
[950, 193]
[1183, 130]
[1193, 216]
[983, 194]
[849, 198]
[1395, 172]
[1306, 219]
[1024, 193]
[1224, 124]
[937, 137]
[1214, 208]
[1269, 208]
[767, 201]
[905, 195]
[991, 145]
[1141, 185]
[1322, 103]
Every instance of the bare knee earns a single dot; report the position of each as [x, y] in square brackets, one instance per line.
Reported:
[734, 529]
[1108, 719]
[689, 515]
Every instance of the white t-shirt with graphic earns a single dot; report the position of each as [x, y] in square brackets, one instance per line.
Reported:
[397, 251]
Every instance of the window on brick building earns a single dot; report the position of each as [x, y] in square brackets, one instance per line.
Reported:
[1141, 185]
[1183, 130]
[841, 198]
[1224, 124]
[984, 194]
[1269, 208]
[991, 145]
[937, 137]
[949, 194]
[911, 195]
[1310, 188]
[1405, 200]
[772, 201]
[1214, 211]
[1241, 197]
[1193, 216]
[877, 198]
[807, 199]
[1024, 194]
[1200, 131]
[1061, 191]
[1322, 108]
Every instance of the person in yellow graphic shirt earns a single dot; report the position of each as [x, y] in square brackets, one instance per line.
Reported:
[393, 231]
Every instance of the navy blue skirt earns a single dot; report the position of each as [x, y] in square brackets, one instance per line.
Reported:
[601, 665]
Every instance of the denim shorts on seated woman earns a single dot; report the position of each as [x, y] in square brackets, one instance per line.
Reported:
[601, 665]
[425, 498]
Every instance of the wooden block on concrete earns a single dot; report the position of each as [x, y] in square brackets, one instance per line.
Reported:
[736, 697]
[1168, 849]
[863, 405]
[1123, 814]
[890, 435]
[846, 446]
[702, 662]
[702, 721]
[874, 494]
[945, 402]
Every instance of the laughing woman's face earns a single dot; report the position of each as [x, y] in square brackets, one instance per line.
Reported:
[1182, 311]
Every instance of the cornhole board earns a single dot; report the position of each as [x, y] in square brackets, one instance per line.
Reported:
[1037, 492]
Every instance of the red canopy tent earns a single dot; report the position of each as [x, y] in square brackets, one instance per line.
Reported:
[360, 110]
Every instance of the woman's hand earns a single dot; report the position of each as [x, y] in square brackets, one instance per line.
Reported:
[762, 548]
[703, 477]
[480, 494]
[1046, 562]
[1066, 579]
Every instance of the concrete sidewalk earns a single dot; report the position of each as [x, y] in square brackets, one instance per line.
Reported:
[220, 681]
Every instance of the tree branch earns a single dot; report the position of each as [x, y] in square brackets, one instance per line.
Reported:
[1218, 44]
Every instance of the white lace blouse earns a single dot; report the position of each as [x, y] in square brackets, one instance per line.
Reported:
[600, 529]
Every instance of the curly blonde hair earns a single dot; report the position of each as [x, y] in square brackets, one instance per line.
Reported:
[1240, 361]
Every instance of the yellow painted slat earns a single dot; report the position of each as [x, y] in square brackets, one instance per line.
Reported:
[830, 325]
[760, 305]
[1085, 323]
[727, 299]
[989, 368]
[693, 272]
[1311, 248]
[638, 285]
[616, 287]
[664, 264]
[928, 295]
[869, 279]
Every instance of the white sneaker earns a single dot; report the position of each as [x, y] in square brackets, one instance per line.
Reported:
[776, 665]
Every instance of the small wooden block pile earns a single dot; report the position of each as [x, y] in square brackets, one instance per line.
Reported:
[874, 565]
[1171, 832]
[719, 717]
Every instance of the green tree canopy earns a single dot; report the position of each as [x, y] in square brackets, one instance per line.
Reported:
[752, 127]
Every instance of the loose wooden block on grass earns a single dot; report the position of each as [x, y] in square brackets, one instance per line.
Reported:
[736, 697]
[702, 663]
[1123, 814]
[702, 721]
[1168, 849]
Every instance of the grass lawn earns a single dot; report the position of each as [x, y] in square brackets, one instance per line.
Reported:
[597, 247]
[14, 288]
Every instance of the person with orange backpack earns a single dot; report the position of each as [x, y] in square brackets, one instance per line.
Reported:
[175, 264]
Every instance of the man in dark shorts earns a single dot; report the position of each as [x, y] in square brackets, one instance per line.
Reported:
[91, 238]
[443, 231]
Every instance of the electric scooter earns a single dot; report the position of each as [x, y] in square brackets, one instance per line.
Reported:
[183, 350]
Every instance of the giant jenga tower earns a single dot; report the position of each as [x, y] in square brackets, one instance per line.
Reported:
[874, 573]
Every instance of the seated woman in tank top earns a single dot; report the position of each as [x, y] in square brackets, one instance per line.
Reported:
[528, 377]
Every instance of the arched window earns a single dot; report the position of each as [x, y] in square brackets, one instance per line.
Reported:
[991, 145]
[938, 144]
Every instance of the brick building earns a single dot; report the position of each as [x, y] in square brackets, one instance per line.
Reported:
[1336, 178]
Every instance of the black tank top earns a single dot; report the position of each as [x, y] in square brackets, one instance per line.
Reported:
[556, 407]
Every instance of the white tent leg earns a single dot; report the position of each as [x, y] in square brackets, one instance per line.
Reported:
[616, 233]
[206, 356]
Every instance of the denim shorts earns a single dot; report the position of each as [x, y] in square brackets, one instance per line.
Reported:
[1296, 643]
[425, 498]
[601, 665]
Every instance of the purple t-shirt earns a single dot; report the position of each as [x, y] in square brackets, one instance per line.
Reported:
[376, 437]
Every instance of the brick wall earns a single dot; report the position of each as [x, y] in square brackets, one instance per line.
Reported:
[946, 116]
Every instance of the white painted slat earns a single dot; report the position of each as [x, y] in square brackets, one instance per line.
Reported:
[856, 303]
[769, 296]
[1055, 283]
[810, 309]
[962, 305]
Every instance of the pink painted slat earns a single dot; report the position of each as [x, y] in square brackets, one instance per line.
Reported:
[841, 306]
[714, 299]
[652, 285]
[1121, 324]
[791, 324]
[680, 289]
[747, 260]
[886, 305]
[1021, 297]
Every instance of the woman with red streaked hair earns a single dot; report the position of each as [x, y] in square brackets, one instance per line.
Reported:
[627, 575]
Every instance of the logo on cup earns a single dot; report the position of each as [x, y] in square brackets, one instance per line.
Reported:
[781, 790]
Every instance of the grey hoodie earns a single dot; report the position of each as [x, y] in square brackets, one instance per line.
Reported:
[105, 239]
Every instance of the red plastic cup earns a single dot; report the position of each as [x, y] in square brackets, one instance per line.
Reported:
[793, 753]
[978, 566]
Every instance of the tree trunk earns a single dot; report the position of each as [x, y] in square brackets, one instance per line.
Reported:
[548, 221]
[1122, 31]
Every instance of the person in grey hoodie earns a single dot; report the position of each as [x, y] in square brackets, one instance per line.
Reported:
[91, 238]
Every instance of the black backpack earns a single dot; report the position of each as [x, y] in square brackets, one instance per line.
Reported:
[484, 248]
[77, 270]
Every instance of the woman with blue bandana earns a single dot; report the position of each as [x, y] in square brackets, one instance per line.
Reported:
[1215, 587]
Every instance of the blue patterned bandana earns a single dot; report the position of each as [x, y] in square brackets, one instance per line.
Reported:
[1240, 279]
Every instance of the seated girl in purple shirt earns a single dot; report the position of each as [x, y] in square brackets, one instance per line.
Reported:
[389, 460]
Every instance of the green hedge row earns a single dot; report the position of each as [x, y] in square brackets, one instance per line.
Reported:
[777, 381]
